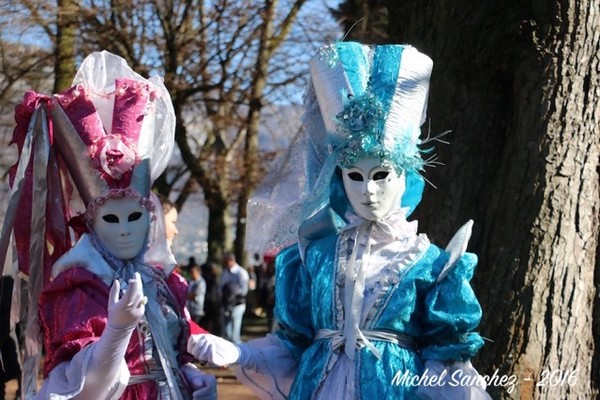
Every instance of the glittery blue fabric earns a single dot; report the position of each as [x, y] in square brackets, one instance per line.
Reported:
[439, 316]
[356, 65]
[384, 73]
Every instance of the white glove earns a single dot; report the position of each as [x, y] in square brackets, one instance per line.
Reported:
[129, 310]
[123, 316]
[108, 353]
[213, 349]
[203, 386]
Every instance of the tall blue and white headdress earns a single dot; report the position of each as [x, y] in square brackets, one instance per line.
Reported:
[362, 101]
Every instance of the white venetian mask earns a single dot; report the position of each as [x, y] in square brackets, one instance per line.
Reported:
[122, 226]
[373, 188]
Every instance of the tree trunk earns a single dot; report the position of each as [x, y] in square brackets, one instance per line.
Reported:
[269, 42]
[518, 84]
[240, 229]
[66, 30]
[251, 159]
[218, 228]
[215, 193]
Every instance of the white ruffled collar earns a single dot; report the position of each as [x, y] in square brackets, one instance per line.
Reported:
[394, 227]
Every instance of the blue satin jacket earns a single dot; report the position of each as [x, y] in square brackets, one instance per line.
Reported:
[407, 298]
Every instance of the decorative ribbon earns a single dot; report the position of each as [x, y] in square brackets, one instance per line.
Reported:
[338, 340]
[18, 183]
[166, 355]
[33, 345]
[155, 376]
[394, 227]
[354, 293]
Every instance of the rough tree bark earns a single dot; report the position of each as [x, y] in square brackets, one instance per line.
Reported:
[518, 84]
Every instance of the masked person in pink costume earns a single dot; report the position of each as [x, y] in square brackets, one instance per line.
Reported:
[111, 309]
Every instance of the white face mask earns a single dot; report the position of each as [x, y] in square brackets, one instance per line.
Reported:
[122, 227]
[374, 189]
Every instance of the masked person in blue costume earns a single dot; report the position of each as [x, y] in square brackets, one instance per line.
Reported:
[367, 307]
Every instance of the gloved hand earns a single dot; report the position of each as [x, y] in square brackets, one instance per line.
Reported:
[213, 349]
[108, 353]
[203, 386]
[129, 310]
[123, 316]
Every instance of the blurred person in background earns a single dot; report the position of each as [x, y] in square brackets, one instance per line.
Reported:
[171, 215]
[211, 321]
[196, 293]
[234, 289]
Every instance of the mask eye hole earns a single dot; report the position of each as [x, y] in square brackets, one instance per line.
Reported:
[355, 176]
[134, 216]
[111, 218]
[380, 175]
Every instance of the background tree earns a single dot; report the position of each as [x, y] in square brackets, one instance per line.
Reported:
[217, 60]
[23, 65]
[66, 33]
[223, 63]
[271, 38]
[518, 84]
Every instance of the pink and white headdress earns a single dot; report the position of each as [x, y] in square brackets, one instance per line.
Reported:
[111, 135]
[122, 123]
